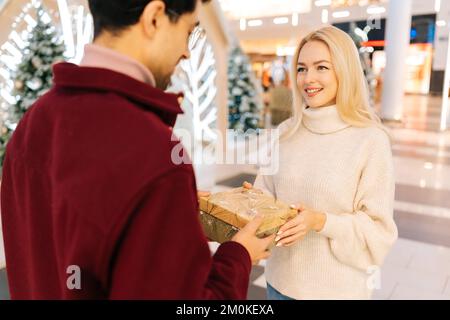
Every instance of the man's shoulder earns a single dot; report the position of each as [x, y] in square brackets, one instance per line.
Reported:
[101, 126]
[109, 110]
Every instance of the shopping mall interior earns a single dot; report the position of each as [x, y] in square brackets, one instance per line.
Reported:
[404, 50]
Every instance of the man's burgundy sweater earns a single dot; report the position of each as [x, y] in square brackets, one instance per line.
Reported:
[89, 183]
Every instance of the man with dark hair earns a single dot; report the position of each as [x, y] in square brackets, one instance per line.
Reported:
[93, 207]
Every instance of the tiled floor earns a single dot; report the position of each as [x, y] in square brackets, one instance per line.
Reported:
[418, 267]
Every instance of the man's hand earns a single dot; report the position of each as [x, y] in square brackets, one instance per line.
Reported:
[256, 247]
[203, 194]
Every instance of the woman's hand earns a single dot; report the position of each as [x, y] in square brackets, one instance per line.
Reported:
[297, 228]
[249, 186]
[246, 185]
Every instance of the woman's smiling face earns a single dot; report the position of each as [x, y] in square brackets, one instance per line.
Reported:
[316, 78]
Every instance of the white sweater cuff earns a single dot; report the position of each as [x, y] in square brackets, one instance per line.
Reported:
[332, 227]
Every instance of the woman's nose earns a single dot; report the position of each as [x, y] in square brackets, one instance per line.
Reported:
[309, 76]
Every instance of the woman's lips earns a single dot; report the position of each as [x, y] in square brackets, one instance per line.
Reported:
[312, 92]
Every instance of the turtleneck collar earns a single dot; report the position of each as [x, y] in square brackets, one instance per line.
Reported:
[325, 120]
[101, 57]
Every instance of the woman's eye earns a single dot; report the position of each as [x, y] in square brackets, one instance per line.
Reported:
[321, 68]
[301, 70]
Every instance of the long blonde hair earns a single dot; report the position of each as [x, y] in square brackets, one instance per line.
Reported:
[352, 98]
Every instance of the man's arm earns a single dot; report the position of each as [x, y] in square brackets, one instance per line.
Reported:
[163, 252]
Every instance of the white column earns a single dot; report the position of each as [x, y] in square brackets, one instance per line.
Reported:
[398, 31]
[442, 55]
[212, 19]
[446, 86]
[441, 36]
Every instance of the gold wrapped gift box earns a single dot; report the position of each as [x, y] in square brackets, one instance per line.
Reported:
[224, 213]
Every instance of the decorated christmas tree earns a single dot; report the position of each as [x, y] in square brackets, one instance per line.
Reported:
[243, 95]
[33, 76]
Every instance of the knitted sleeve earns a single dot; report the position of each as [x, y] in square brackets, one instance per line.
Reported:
[364, 237]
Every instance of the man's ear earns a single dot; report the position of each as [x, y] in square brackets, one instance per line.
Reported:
[153, 17]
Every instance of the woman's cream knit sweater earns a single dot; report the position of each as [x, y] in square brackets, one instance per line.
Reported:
[347, 173]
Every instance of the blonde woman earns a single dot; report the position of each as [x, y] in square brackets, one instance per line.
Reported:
[336, 163]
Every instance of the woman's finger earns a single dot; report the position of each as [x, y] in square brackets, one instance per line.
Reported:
[290, 240]
[247, 185]
[290, 232]
[291, 224]
[300, 207]
[290, 244]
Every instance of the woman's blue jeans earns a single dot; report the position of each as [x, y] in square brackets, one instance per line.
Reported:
[273, 294]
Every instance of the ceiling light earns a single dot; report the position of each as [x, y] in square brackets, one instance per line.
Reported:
[255, 23]
[295, 19]
[437, 5]
[281, 20]
[257, 9]
[243, 24]
[341, 14]
[325, 16]
[322, 3]
[376, 10]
